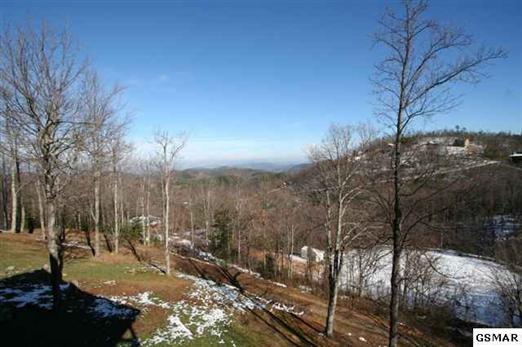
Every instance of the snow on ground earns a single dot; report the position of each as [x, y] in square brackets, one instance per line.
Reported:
[282, 285]
[298, 259]
[304, 289]
[41, 296]
[207, 256]
[290, 309]
[174, 331]
[462, 280]
[250, 272]
[75, 244]
[208, 309]
[143, 300]
[34, 295]
[105, 308]
[465, 281]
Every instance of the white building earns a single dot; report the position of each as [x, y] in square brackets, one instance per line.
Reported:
[314, 253]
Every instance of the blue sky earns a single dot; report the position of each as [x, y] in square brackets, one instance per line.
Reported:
[262, 80]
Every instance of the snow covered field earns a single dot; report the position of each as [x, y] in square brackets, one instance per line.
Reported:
[465, 282]
[442, 276]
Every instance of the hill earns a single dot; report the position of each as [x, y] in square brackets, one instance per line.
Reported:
[120, 300]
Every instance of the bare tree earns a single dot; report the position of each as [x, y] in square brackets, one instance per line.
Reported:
[207, 189]
[41, 209]
[12, 151]
[39, 72]
[118, 149]
[190, 206]
[338, 185]
[507, 283]
[507, 279]
[169, 149]
[413, 81]
[146, 168]
[10, 147]
[101, 128]
[5, 197]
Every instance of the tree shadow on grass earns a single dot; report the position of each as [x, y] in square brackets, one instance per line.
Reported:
[287, 325]
[26, 318]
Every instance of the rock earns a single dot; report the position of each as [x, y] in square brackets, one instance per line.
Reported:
[10, 268]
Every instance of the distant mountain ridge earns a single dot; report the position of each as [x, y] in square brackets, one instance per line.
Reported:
[256, 166]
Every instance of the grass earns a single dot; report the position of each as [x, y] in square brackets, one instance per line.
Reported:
[123, 275]
[234, 332]
[24, 256]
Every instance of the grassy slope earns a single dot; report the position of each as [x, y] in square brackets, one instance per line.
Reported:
[254, 328]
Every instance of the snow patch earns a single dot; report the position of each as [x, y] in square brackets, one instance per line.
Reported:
[105, 308]
[35, 295]
[286, 308]
[282, 285]
[250, 272]
[175, 330]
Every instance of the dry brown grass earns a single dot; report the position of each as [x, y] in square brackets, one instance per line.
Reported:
[272, 328]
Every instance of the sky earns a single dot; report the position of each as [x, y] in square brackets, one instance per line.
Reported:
[254, 81]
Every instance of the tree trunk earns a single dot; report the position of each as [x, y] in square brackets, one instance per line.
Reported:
[394, 299]
[53, 244]
[147, 208]
[142, 212]
[97, 175]
[207, 211]
[166, 218]
[116, 224]
[20, 213]
[14, 197]
[333, 288]
[207, 227]
[397, 238]
[238, 233]
[124, 214]
[192, 231]
[5, 196]
[22, 216]
[291, 252]
[41, 208]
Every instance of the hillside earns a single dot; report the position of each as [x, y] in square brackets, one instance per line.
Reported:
[118, 300]
[224, 173]
[449, 152]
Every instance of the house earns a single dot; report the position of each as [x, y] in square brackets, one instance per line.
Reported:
[315, 254]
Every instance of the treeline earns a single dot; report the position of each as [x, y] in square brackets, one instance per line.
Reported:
[497, 145]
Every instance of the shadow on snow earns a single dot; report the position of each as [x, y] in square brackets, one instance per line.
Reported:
[26, 318]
